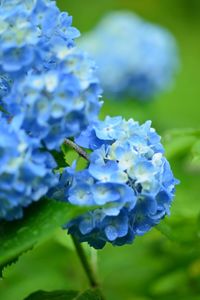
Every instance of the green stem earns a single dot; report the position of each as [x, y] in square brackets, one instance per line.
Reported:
[83, 258]
[87, 267]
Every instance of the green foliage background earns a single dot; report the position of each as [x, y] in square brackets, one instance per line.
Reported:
[155, 266]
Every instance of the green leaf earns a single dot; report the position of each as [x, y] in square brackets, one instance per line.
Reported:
[196, 149]
[70, 155]
[59, 158]
[169, 283]
[179, 146]
[56, 295]
[66, 295]
[65, 148]
[182, 230]
[179, 142]
[90, 295]
[40, 221]
[182, 132]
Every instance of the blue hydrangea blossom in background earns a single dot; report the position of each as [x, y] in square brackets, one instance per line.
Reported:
[127, 173]
[48, 91]
[135, 58]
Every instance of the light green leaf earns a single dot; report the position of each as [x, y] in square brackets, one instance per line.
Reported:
[193, 163]
[183, 230]
[196, 149]
[182, 132]
[179, 146]
[179, 142]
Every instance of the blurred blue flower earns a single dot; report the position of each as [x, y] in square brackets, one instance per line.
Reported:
[135, 58]
[128, 175]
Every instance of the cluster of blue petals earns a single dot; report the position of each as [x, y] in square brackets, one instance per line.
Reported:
[128, 175]
[48, 91]
[43, 74]
[135, 58]
[26, 172]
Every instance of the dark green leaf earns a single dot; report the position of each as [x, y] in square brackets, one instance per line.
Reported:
[90, 295]
[39, 222]
[59, 158]
[168, 283]
[66, 295]
[56, 295]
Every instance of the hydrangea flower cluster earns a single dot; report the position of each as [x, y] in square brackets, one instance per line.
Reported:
[48, 91]
[25, 170]
[135, 58]
[127, 174]
[43, 74]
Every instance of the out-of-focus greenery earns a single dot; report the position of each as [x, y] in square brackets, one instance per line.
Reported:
[154, 266]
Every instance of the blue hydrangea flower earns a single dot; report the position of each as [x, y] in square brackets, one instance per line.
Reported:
[48, 91]
[128, 175]
[64, 99]
[135, 58]
[50, 83]
[26, 173]
[28, 31]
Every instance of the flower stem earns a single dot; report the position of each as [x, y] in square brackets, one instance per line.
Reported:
[87, 267]
[78, 149]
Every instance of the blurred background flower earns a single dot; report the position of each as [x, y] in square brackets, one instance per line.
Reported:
[134, 57]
